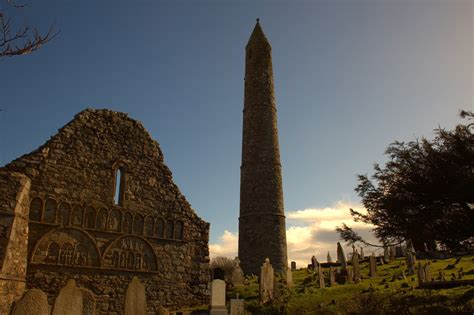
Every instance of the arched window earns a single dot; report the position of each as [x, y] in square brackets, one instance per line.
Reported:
[127, 223]
[149, 226]
[102, 219]
[160, 228]
[169, 229]
[63, 215]
[138, 224]
[178, 230]
[90, 218]
[77, 215]
[50, 209]
[36, 209]
[119, 186]
[115, 220]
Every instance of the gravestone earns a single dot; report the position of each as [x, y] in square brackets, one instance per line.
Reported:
[329, 258]
[362, 253]
[350, 274]
[217, 306]
[398, 251]
[289, 277]
[237, 307]
[237, 273]
[314, 263]
[381, 260]
[428, 276]
[321, 277]
[34, 301]
[411, 261]
[88, 302]
[341, 257]
[372, 266]
[135, 298]
[69, 300]
[355, 266]
[421, 274]
[386, 255]
[392, 253]
[293, 266]
[332, 277]
[266, 282]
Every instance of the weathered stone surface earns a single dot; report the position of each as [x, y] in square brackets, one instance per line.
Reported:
[262, 231]
[237, 273]
[69, 300]
[321, 278]
[386, 255]
[341, 257]
[293, 266]
[14, 209]
[428, 276]
[372, 266]
[421, 274]
[266, 282]
[289, 277]
[355, 266]
[135, 299]
[88, 302]
[34, 301]
[332, 277]
[362, 253]
[218, 293]
[78, 230]
[237, 307]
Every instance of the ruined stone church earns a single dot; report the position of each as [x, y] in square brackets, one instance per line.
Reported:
[97, 204]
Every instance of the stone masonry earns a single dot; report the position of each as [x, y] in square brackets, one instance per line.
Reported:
[103, 208]
[14, 207]
[262, 230]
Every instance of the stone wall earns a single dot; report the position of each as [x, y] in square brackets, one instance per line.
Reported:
[101, 229]
[14, 207]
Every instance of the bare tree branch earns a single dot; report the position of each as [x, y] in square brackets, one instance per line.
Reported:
[23, 41]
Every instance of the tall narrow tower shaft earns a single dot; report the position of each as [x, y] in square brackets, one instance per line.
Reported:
[262, 231]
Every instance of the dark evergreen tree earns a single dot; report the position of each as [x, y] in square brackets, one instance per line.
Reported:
[425, 192]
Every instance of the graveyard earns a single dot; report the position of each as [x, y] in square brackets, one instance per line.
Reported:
[387, 292]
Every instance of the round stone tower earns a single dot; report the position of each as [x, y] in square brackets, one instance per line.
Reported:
[262, 231]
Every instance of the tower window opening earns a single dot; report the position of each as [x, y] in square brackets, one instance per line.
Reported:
[119, 186]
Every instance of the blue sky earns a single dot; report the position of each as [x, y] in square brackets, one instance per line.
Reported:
[350, 77]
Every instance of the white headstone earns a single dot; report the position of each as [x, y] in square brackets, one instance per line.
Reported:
[218, 297]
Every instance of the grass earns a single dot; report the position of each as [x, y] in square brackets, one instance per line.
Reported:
[378, 295]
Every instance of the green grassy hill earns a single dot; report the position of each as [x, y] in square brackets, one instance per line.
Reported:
[384, 294]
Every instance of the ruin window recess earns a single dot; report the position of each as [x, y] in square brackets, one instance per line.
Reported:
[160, 228]
[119, 186]
[127, 223]
[64, 211]
[102, 219]
[178, 230]
[169, 229]
[138, 224]
[149, 226]
[115, 220]
[36, 209]
[77, 215]
[50, 209]
[90, 218]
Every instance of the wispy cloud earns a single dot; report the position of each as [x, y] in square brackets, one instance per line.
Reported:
[309, 232]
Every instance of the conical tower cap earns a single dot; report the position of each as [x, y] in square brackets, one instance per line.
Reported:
[258, 37]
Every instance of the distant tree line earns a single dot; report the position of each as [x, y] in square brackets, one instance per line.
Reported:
[424, 192]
